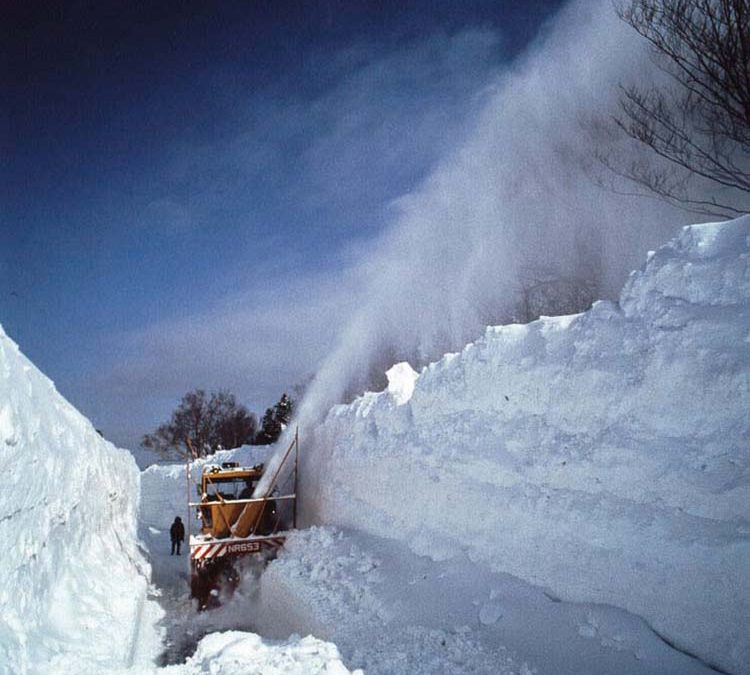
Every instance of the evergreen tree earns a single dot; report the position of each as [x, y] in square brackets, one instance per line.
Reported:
[274, 420]
[284, 410]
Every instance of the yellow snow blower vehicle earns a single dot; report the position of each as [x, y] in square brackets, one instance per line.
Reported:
[235, 523]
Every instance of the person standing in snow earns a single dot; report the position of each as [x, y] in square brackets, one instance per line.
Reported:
[177, 534]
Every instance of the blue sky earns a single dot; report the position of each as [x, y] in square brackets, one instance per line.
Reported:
[186, 186]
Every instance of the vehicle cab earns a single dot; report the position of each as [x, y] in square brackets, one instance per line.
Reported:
[224, 492]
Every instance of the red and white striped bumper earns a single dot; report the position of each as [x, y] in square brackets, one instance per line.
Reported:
[233, 547]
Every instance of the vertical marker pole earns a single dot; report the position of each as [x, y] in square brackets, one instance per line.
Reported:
[296, 464]
[187, 475]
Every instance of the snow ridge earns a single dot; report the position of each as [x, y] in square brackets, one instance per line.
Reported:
[604, 455]
[74, 582]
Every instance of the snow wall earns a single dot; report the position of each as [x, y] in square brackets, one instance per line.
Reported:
[605, 456]
[74, 586]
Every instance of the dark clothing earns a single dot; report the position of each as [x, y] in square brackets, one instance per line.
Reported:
[177, 531]
[177, 535]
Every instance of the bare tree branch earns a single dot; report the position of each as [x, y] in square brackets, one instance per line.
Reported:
[700, 128]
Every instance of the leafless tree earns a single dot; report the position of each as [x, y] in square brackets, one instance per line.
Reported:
[201, 425]
[699, 123]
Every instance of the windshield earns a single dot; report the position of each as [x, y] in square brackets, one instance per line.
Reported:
[229, 488]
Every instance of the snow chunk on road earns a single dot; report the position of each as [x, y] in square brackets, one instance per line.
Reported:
[236, 653]
[490, 612]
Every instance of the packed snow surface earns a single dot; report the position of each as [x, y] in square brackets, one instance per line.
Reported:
[74, 591]
[605, 456]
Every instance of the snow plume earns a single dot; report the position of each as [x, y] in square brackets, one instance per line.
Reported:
[519, 193]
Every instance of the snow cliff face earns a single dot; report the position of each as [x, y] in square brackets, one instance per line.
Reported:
[74, 586]
[604, 455]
